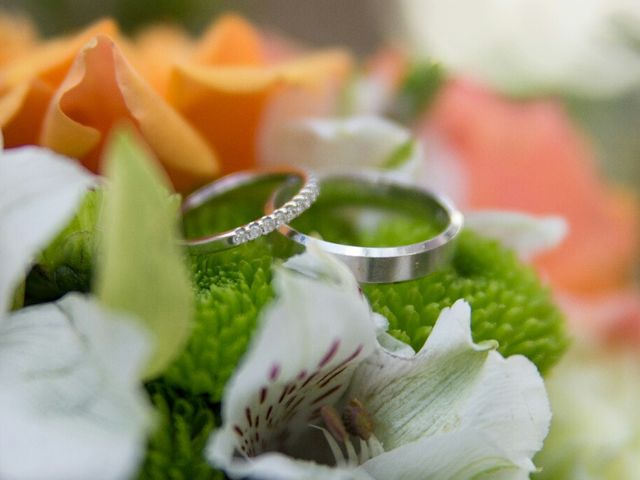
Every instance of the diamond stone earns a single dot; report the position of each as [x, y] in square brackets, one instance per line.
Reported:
[303, 201]
[279, 217]
[267, 225]
[240, 236]
[254, 231]
[291, 211]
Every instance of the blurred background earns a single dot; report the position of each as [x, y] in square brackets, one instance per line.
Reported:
[510, 38]
[575, 57]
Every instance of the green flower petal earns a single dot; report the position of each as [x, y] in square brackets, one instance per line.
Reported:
[141, 269]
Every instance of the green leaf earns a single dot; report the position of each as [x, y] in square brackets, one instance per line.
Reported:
[399, 156]
[140, 268]
[419, 87]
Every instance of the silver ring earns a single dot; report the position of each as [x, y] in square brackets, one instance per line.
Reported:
[387, 264]
[294, 206]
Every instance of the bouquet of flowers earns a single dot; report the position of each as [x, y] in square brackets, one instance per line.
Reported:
[157, 322]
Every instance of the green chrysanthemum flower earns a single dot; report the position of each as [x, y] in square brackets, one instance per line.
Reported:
[509, 303]
[184, 424]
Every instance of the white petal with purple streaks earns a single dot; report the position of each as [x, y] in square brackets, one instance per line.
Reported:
[310, 341]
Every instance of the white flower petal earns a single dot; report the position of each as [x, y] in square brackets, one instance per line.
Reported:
[527, 234]
[595, 434]
[276, 466]
[71, 406]
[454, 385]
[390, 343]
[576, 46]
[39, 192]
[459, 455]
[310, 341]
[345, 145]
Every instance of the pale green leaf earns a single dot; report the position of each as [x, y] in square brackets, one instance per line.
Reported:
[140, 268]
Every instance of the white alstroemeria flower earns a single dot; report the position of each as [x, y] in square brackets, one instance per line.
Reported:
[527, 234]
[342, 145]
[71, 403]
[39, 193]
[577, 46]
[454, 410]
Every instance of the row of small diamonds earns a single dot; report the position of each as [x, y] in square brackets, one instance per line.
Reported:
[284, 214]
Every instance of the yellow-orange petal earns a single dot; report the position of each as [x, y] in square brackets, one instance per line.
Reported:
[50, 61]
[22, 110]
[156, 50]
[230, 41]
[17, 37]
[102, 90]
[228, 105]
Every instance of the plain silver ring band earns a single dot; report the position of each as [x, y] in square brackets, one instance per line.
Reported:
[388, 264]
[264, 225]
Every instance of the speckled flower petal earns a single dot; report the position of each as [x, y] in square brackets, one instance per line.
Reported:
[71, 405]
[39, 193]
[311, 340]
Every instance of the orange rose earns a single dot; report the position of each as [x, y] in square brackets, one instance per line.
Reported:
[526, 155]
[199, 105]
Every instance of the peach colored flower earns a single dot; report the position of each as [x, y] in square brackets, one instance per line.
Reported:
[199, 105]
[526, 155]
[68, 94]
[232, 93]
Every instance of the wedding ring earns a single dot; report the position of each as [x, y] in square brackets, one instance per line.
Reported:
[289, 177]
[386, 264]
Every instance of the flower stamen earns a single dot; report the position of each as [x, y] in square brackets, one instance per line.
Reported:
[357, 420]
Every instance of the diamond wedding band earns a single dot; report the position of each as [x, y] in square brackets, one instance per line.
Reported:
[386, 264]
[289, 209]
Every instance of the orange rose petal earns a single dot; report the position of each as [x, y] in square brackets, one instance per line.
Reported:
[230, 41]
[17, 37]
[528, 156]
[227, 105]
[21, 112]
[156, 50]
[51, 61]
[100, 91]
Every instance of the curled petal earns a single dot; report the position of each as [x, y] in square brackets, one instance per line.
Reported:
[102, 90]
[52, 60]
[453, 386]
[311, 340]
[71, 406]
[39, 193]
